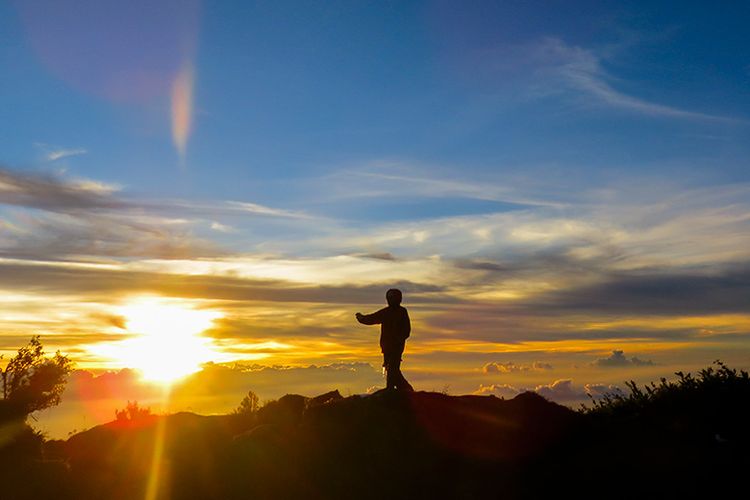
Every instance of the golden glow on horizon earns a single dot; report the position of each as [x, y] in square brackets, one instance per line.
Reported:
[167, 343]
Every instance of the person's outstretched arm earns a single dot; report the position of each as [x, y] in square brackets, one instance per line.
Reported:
[370, 319]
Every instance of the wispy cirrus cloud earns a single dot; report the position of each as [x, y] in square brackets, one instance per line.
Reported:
[394, 179]
[550, 66]
[582, 69]
[53, 153]
[59, 154]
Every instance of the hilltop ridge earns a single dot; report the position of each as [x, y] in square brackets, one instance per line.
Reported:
[395, 444]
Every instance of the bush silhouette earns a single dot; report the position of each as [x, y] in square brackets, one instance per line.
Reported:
[711, 383]
[32, 382]
[133, 412]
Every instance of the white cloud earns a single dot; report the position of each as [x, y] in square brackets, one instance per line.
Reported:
[561, 391]
[54, 153]
[255, 208]
[59, 154]
[597, 391]
[222, 228]
[500, 390]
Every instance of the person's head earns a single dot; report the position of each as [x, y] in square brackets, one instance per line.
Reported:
[393, 297]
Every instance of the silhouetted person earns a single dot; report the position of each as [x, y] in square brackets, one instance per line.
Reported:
[395, 328]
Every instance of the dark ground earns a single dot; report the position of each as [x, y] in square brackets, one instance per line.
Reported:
[401, 445]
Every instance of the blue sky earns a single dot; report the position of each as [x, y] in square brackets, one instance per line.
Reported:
[549, 182]
[287, 90]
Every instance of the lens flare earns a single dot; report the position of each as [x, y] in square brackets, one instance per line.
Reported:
[182, 108]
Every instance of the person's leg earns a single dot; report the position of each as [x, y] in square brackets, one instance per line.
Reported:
[394, 372]
[401, 382]
[395, 379]
[390, 379]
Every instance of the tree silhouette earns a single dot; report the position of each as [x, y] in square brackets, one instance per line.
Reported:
[249, 405]
[31, 381]
[133, 411]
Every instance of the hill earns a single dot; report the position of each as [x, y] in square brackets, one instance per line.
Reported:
[672, 440]
[389, 443]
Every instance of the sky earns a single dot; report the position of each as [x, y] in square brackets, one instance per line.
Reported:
[560, 189]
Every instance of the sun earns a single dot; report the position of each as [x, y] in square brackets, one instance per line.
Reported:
[166, 342]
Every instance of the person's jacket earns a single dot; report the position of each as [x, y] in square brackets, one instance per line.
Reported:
[395, 327]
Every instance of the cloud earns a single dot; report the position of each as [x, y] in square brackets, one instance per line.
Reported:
[65, 153]
[222, 228]
[584, 71]
[605, 230]
[48, 192]
[618, 359]
[255, 208]
[541, 366]
[64, 218]
[114, 281]
[618, 263]
[510, 367]
[377, 256]
[53, 153]
[108, 319]
[581, 69]
[500, 390]
[561, 391]
[696, 291]
[622, 227]
[66, 195]
[597, 391]
[400, 180]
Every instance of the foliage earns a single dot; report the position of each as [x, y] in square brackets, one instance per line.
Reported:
[132, 412]
[709, 387]
[32, 382]
[249, 405]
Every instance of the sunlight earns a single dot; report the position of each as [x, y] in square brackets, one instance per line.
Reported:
[167, 343]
